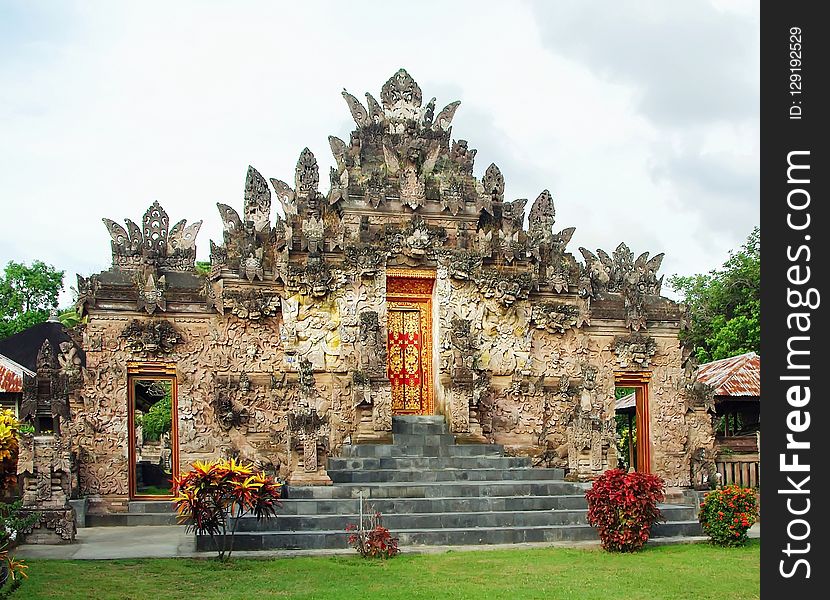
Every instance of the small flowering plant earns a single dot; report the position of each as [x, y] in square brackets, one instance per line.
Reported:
[727, 514]
[374, 541]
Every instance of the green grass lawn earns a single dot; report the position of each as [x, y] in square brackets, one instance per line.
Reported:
[690, 571]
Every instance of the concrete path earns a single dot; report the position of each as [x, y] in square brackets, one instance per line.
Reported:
[171, 541]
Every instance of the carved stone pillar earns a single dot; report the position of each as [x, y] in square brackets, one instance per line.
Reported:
[45, 469]
[308, 431]
[373, 411]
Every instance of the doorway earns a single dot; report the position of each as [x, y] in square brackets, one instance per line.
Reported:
[409, 341]
[632, 420]
[153, 443]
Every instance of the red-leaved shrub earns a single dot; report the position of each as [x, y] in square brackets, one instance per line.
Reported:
[374, 541]
[623, 507]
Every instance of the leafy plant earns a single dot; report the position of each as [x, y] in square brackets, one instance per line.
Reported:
[727, 514]
[26, 295]
[374, 541]
[725, 304]
[214, 495]
[12, 573]
[623, 507]
[13, 520]
[9, 430]
[26, 429]
[159, 419]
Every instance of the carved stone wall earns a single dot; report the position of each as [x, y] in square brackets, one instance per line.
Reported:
[46, 470]
[279, 344]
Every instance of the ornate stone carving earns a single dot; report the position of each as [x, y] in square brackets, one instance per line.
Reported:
[315, 278]
[253, 305]
[251, 266]
[555, 317]
[493, 183]
[47, 393]
[463, 156]
[154, 243]
[463, 350]
[417, 239]
[46, 472]
[634, 351]
[151, 337]
[228, 403]
[505, 287]
[364, 260]
[372, 345]
[87, 289]
[257, 207]
[463, 265]
[151, 294]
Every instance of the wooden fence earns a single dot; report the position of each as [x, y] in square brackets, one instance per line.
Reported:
[739, 469]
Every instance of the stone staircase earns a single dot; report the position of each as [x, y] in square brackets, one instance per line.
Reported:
[139, 512]
[432, 491]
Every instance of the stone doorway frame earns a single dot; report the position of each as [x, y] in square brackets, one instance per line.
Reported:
[150, 370]
[413, 289]
[640, 383]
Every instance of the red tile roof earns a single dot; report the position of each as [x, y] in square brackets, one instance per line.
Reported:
[734, 376]
[11, 375]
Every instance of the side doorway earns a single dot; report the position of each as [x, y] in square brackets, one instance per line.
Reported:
[632, 416]
[152, 421]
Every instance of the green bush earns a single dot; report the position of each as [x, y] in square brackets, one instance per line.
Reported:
[727, 514]
[158, 420]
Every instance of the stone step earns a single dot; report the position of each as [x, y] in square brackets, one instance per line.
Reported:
[436, 489]
[429, 462]
[381, 450]
[455, 536]
[348, 506]
[435, 517]
[402, 419]
[423, 537]
[150, 506]
[413, 521]
[130, 519]
[418, 439]
[685, 528]
[419, 427]
[424, 475]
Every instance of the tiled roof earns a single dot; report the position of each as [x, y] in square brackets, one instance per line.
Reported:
[11, 375]
[629, 401]
[734, 376]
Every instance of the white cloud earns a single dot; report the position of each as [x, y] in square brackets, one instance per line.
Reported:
[641, 129]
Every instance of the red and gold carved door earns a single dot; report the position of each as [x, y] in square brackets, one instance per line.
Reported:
[409, 345]
[405, 366]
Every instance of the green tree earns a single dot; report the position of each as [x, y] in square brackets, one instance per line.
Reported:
[26, 295]
[725, 304]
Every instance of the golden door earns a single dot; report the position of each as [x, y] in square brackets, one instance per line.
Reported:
[409, 358]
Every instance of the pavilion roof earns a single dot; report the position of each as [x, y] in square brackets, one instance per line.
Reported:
[736, 376]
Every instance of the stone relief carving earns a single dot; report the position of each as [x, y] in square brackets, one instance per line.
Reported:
[229, 403]
[634, 351]
[47, 393]
[151, 295]
[154, 244]
[47, 467]
[555, 317]
[152, 337]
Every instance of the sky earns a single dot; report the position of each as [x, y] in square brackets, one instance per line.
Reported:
[640, 116]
